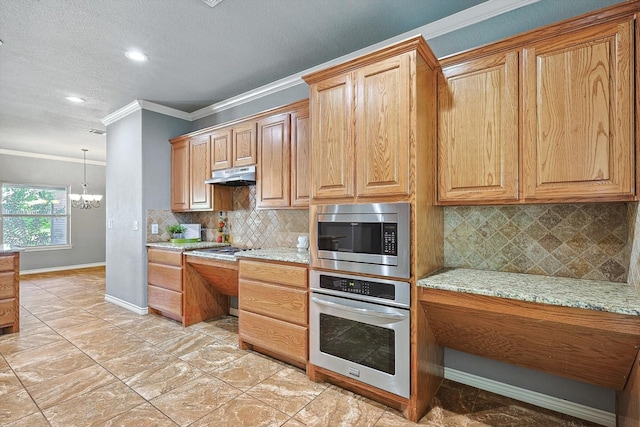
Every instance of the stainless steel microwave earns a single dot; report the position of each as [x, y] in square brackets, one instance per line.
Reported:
[369, 238]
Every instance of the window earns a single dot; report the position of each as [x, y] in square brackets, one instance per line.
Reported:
[34, 216]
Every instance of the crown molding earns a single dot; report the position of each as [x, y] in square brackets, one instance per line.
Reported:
[49, 157]
[448, 24]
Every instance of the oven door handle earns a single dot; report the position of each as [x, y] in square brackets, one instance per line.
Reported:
[362, 311]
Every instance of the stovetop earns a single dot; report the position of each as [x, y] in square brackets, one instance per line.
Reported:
[225, 250]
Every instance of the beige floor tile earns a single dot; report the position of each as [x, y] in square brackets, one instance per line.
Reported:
[16, 405]
[158, 334]
[103, 348]
[247, 371]
[213, 356]
[217, 333]
[41, 354]
[161, 379]
[34, 328]
[41, 371]
[96, 326]
[144, 415]
[95, 407]
[288, 390]
[243, 411]
[69, 320]
[52, 392]
[293, 423]
[129, 364]
[9, 382]
[184, 344]
[339, 408]
[14, 343]
[44, 306]
[33, 420]
[195, 399]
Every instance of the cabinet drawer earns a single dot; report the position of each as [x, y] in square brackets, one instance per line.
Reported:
[165, 276]
[7, 263]
[164, 300]
[7, 285]
[165, 257]
[275, 273]
[274, 335]
[275, 301]
[7, 312]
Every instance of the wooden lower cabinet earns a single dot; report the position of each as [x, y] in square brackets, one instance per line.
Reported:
[9, 292]
[273, 310]
[164, 277]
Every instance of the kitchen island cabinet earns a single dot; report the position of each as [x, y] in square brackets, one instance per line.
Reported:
[9, 291]
[273, 309]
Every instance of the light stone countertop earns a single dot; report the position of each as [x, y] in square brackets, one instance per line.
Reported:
[278, 254]
[181, 247]
[613, 297]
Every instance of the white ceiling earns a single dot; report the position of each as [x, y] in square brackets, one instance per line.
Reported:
[198, 55]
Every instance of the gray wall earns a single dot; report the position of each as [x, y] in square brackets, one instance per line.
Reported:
[87, 226]
[138, 177]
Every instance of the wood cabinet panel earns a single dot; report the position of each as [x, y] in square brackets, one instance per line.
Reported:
[287, 304]
[300, 157]
[478, 133]
[7, 286]
[382, 127]
[282, 274]
[578, 139]
[165, 300]
[274, 155]
[160, 256]
[245, 150]
[7, 312]
[274, 335]
[165, 276]
[199, 171]
[332, 149]
[221, 149]
[180, 176]
[7, 263]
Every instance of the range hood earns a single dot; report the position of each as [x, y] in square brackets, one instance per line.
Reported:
[234, 177]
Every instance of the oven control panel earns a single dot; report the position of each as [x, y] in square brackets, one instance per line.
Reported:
[357, 286]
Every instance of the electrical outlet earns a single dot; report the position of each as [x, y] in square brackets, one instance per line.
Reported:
[154, 228]
[135, 226]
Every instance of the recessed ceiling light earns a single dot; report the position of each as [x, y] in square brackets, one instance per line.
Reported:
[97, 131]
[136, 56]
[75, 99]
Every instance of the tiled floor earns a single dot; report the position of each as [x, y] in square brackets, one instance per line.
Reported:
[79, 361]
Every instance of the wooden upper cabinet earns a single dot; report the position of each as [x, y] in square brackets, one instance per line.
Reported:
[332, 151]
[274, 154]
[221, 149]
[578, 91]
[199, 171]
[180, 176]
[300, 157]
[478, 133]
[382, 127]
[245, 150]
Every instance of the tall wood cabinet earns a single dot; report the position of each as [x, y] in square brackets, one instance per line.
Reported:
[362, 129]
[543, 117]
[274, 162]
[9, 292]
[190, 167]
[300, 156]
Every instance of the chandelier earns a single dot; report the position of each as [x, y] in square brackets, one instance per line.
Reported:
[84, 200]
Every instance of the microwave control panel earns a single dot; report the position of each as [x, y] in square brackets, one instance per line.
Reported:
[390, 238]
[357, 286]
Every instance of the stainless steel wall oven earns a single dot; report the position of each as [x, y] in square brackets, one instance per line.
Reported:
[360, 328]
[363, 238]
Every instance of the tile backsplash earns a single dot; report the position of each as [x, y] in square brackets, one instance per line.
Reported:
[590, 240]
[587, 241]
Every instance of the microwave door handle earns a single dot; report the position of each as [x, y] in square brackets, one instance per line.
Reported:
[362, 311]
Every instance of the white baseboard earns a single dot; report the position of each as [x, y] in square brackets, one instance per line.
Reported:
[125, 304]
[233, 311]
[544, 401]
[62, 268]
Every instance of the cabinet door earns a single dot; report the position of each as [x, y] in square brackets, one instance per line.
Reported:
[332, 148]
[221, 149]
[273, 179]
[478, 131]
[180, 176]
[383, 93]
[200, 169]
[245, 150]
[578, 95]
[300, 157]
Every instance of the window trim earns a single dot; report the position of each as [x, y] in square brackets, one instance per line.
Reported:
[67, 188]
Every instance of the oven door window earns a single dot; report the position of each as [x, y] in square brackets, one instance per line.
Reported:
[361, 238]
[368, 345]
